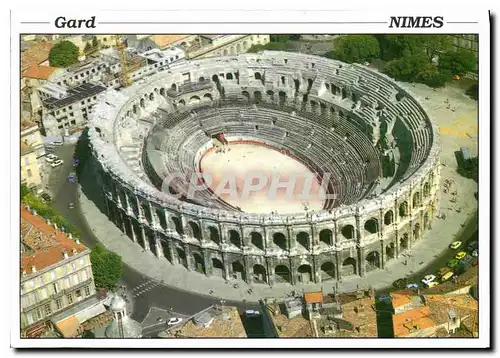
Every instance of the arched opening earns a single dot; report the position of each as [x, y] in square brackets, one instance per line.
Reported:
[416, 199]
[259, 274]
[217, 267]
[427, 190]
[245, 45]
[173, 87]
[181, 257]
[238, 271]
[296, 83]
[349, 267]
[416, 232]
[214, 235]
[199, 263]
[326, 237]
[177, 224]
[332, 111]
[327, 271]
[257, 96]
[283, 80]
[151, 97]
[344, 93]
[403, 242]
[314, 106]
[303, 239]
[322, 107]
[162, 92]
[141, 103]
[229, 76]
[403, 209]
[371, 226]
[207, 97]
[305, 273]
[147, 213]
[194, 100]
[388, 218]
[166, 249]
[256, 240]
[309, 84]
[201, 79]
[282, 98]
[134, 109]
[182, 102]
[246, 94]
[234, 238]
[225, 52]
[372, 261]
[238, 48]
[194, 229]
[348, 232]
[270, 94]
[215, 78]
[280, 240]
[282, 274]
[257, 76]
[426, 220]
[390, 251]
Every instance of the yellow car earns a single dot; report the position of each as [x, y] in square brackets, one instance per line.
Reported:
[443, 271]
[446, 276]
[432, 284]
[460, 255]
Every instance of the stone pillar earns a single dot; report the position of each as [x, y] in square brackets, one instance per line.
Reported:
[134, 235]
[338, 265]
[225, 263]
[187, 251]
[159, 248]
[382, 255]
[293, 273]
[248, 270]
[291, 239]
[208, 263]
[173, 252]
[144, 239]
[361, 262]
[270, 271]
[397, 249]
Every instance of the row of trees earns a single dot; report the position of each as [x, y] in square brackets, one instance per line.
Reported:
[276, 43]
[428, 59]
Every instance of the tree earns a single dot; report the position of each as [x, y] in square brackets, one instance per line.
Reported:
[457, 63]
[24, 191]
[88, 334]
[436, 44]
[64, 54]
[256, 48]
[284, 38]
[406, 68]
[356, 48]
[398, 46]
[432, 79]
[95, 43]
[107, 267]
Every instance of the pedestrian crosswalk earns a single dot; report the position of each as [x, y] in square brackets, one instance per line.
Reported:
[145, 287]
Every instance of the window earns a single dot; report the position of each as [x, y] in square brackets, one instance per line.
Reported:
[83, 102]
[81, 262]
[48, 309]
[84, 275]
[64, 110]
[73, 266]
[60, 127]
[59, 303]
[42, 281]
[70, 298]
[71, 114]
[78, 294]
[29, 317]
[55, 286]
[38, 314]
[28, 172]
[67, 283]
[70, 108]
[52, 275]
[87, 291]
[75, 280]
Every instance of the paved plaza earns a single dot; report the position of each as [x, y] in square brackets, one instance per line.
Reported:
[453, 112]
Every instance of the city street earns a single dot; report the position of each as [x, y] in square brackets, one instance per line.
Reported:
[145, 292]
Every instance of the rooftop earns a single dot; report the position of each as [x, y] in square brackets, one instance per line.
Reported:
[35, 55]
[48, 243]
[165, 40]
[226, 323]
[313, 297]
[411, 320]
[27, 125]
[40, 72]
[74, 95]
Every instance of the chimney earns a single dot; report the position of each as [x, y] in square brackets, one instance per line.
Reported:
[78, 241]
[70, 235]
[55, 226]
[33, 268]
[48, 222]
[65, 254]
[24, 272]
[74, 251]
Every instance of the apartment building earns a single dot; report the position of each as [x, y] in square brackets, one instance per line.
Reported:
[56, 273]
[32, 153]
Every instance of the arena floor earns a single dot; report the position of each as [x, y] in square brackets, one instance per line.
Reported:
[242, 160]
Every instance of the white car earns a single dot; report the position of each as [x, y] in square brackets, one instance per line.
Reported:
[50, 158]
[428, 279]
[173, 321]
[252, 313]
[58, 143]
[455, 245]
[56, 163]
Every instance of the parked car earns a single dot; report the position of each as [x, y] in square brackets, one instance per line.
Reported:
[50, 158]
[412, 285]
[455, 245]
[472, 245]
[447, 276]
[466, 261]
[57, 143]
[475, 253]
[56, 163]
[443, 271]
[475, 262]
[252, 313]
[71, 206]
[173, 321]
[46, 197]
[428, 279]
[460, 255]
[432, 284]
[399, 283]
[72, 177]
[385, 298]
[452, 263]
[50, 149]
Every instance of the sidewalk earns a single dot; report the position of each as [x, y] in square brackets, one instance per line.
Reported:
[436, 240]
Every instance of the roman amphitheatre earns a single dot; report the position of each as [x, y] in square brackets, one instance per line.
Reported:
[278, 112]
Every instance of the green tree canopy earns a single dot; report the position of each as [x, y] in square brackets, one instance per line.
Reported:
[356, 48]
[398, 46]
[63, 54]
[406, 68]
[457, 63]
[274, 46]
[283, 38]
[473, 91]
[24, 191]
[107, 267]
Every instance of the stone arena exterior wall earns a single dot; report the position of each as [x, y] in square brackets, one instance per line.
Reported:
[267, 249]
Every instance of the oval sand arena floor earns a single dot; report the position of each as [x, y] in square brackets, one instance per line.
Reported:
[248, 176]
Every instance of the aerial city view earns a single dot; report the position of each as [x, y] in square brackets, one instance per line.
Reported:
[249, 186]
